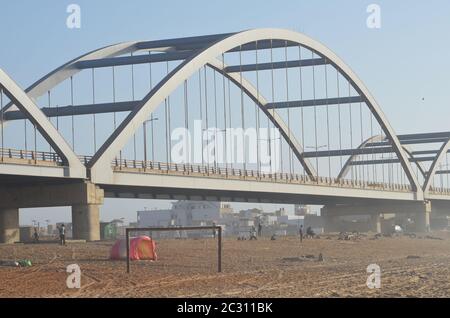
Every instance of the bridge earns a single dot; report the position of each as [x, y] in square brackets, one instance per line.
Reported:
[264, 115]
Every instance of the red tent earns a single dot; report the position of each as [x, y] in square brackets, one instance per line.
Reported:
[141, 248]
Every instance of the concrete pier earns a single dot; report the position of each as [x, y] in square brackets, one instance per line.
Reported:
[9, 226]
[86, 222]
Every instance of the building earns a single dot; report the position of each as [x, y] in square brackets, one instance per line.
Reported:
[183, 213]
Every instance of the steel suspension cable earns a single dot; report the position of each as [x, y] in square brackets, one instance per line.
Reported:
[328, 118]
[93, 115]
[231, 119]
[258, 159]
[169, 120]
[301, 98]
[73, 114]
[351, 129]
[152, 118]
[339, 117]
[215, 119]
[315, 117]
[133, 98]
[224, 111]
[273, 109]
[288, 108]
[362, 137]
[206, 118]
[201, 111]
[242, 109]
[186, 121]
[374, 166]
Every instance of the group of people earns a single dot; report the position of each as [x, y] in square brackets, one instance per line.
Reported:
[309, 233]
[61, 237]
[257, 232]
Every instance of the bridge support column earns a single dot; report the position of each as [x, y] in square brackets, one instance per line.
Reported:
[375, 223]
[86, 222]
[330, 221]
[422, 218]
[86, 213]
[9, 226]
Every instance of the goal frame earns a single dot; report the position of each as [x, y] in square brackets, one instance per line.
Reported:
[181, 228]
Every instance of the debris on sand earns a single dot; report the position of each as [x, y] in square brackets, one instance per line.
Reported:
[302, 258]
[19, 263]
[433, 238]
[9, 263]
[293, 259]
[412, 257]
[344, 236]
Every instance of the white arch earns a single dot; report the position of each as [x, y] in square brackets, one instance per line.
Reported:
[99, 165]
[69, 69]
[434, 166]
[251, 91]
[345, 169]
[48, 131]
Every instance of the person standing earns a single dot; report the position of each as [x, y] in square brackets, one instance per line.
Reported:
[300, 233]
[259, 229]
[62, 234]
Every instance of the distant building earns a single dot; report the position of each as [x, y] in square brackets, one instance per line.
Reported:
[183, 213]
[301, 209]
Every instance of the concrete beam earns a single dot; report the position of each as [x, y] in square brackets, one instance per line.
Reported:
[9, 226]
[44, 195]
[316, 102]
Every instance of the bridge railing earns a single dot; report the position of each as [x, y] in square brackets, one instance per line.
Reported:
[235, 173]
[43, 157]
[30, 156]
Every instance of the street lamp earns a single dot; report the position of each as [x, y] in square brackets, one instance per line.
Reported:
[145, 140]
[269, 148]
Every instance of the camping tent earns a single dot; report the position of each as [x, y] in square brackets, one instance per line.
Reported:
[141, 248]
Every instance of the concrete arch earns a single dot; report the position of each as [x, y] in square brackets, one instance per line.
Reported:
[434, 166]
[44, 126]
[99, 165]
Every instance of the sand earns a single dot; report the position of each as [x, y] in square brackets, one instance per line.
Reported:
[410, 267]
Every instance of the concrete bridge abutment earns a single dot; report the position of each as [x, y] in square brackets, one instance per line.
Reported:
[9, 226]
[85, 198]
[418, 212]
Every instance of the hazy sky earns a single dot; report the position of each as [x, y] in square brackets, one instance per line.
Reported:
[404, 64]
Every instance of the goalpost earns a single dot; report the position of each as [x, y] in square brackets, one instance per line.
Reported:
[186, 228]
